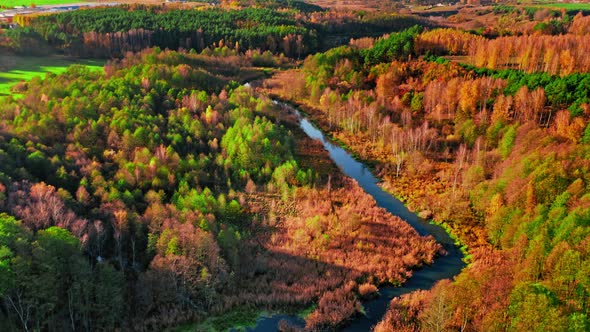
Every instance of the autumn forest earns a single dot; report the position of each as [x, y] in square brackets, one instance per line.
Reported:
[173, 189]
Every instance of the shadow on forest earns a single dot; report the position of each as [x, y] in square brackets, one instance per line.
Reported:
[277, 279]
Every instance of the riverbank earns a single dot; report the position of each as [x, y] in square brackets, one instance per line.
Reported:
[443, 267]
[398, 189]
[312, 150]
[317, 241]
[419, 189]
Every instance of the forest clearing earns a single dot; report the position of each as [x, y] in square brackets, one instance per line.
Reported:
[15, 69]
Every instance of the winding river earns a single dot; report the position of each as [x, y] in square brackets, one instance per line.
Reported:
[442, 268]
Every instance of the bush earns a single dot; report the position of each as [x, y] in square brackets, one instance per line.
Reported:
[368, 290]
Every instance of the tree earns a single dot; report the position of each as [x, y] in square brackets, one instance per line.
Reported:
[536, 312]
[438, 312]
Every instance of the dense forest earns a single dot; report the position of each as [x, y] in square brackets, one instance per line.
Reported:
[112, 31]
[163, 191]
[497, 151]
[158, 192]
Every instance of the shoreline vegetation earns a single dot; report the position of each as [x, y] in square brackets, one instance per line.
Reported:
[386, 184]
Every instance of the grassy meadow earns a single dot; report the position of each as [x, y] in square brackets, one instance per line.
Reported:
[14, 69]
[568, 6]
[560, 5]
[28, 3]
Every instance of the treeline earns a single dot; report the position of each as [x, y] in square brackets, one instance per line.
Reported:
[497, 155]
[446, 41]
[157, 193]
[297, 5]
[563, 92]
[113, 31]
[556, 55]
[331, 22]
[290, 28]
[507, 20]
[337, 27]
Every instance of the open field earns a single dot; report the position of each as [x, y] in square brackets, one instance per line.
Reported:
[28, 3]
[368, 5]
[14, 69]
[567, 6]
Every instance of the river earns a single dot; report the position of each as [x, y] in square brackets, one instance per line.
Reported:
[442, 268]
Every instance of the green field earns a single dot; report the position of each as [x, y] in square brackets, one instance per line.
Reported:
[14, 69]
[12, 3]
[567, 6]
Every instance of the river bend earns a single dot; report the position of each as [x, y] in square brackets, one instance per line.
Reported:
[443, 267]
